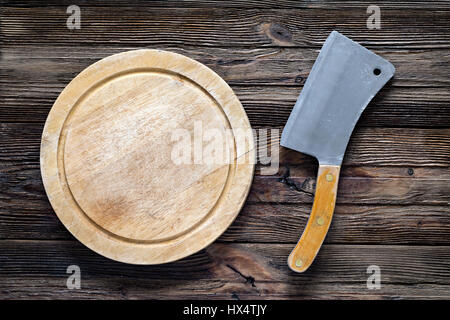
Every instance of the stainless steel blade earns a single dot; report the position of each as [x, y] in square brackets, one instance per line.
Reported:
[343, 80]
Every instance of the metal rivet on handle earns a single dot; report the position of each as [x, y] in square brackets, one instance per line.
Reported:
[298, 263]
[320, 221]
[329, 177]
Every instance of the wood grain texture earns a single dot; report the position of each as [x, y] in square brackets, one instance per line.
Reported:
[353, 189]
[412, 216]
[267, 81]
[108, 164]
[266, 106]
[26, 212]
[238, 66]
[319, 221]
[247, 270]
[367, 147]
[262, 262]
[242, 4]
[393, 202]
[121, 288]
[224, 27]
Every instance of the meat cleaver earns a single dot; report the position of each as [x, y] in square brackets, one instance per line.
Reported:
[343, 80]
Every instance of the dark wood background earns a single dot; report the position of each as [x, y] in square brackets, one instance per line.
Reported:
[394, 194]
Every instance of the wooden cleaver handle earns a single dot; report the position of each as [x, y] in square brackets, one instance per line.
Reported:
[319, 221]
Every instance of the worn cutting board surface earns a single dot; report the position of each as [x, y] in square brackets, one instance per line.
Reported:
[143, 156]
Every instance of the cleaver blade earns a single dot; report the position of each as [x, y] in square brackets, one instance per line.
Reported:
[344, 79]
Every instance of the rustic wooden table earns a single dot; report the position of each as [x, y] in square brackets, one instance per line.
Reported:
[393, 201]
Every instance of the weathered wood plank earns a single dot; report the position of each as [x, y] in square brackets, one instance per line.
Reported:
[367, 147]
[242, 4]
[357, 190]
[265, 106]
[387, 147]
[224, 27]
[25, 212]
[55, 66]
[123, 288]
[269, 223]
[29, 90]
[22, 183]
[276, 223]
[236, 262]
[392, 107]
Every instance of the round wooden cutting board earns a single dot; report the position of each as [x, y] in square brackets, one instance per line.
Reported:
[147, 156]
